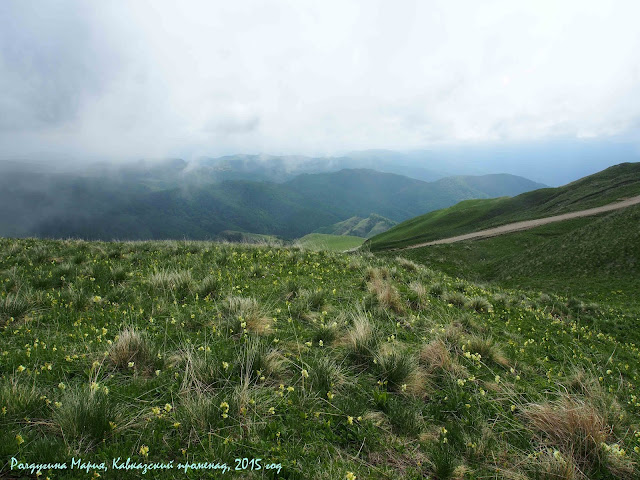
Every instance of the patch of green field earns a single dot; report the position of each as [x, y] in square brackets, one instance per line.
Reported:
[334, 243]
[332, 366]
[614, 183]
[595, 259]
[245, 237]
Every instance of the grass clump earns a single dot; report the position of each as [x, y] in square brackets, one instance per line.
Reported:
[209, 286]
[84, 418]
[16, 305]
[580, 432]
[245, 314]
[132, 350]
[386, 295]
[487, 348]
[325, 375]
[457, 299]
[435, 356]
[361, 339]
[176, 282]
[479, 304]
[396, 368]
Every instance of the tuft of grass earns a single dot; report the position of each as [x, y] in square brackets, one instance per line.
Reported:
[209, 286]
[260, 361]
[19, 399]
[118, 274]
[479, 304]
[418, 295]
[435, 356]
[316, 299]
[386, 294]
[487, 348]
[16, 305]
[361, 339]
[325, 375]
[199, 412]
[396, 368]
[83, 418]
[246, 313]
[550, 464]
[290, 289]
[456, 299]
[407, 264]
[436, 289]
[176, 282]
[131, 351]
[577, 429]
[442, 461]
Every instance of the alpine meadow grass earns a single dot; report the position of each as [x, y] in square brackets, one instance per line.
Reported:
[331, 365]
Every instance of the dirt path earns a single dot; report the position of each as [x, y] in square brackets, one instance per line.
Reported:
[517, 226]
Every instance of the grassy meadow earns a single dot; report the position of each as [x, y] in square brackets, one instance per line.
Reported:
[334, 243]
[320, 364]
[592, 258]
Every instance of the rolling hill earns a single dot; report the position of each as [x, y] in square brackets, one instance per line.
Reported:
[612, 184]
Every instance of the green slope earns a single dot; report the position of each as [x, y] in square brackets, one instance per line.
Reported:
[334, 243]
[612, 184]
[595, 258]
[360, 227]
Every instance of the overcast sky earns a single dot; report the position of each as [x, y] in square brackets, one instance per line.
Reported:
[121, 79]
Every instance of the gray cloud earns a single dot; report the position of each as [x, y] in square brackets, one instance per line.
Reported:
[124, 79]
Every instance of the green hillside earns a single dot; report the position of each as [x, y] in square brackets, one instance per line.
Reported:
[593, 258]
[314, 364]
[614, 183]
[334, 243]
[360, 227]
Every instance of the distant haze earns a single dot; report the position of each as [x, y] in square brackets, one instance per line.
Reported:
[128, 79]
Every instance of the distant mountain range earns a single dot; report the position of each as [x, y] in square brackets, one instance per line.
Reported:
[176, 199]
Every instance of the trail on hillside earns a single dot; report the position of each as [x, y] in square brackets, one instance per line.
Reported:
[525, 225]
